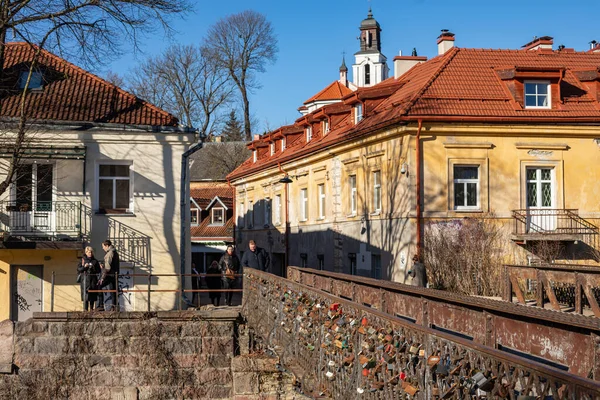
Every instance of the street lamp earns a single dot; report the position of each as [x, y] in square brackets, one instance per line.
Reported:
[286, 179]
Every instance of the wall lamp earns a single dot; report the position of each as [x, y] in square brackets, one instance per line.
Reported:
[403, 168]
[286, 179]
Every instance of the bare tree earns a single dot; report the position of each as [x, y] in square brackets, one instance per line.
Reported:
[115, 79]
[243, 44]
[92, 30]
[186, 82]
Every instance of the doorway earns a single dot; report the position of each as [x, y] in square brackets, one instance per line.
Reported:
[541, 199]
[27, 291]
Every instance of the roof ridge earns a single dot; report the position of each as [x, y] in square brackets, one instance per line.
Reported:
[430, 81]
[91, 75]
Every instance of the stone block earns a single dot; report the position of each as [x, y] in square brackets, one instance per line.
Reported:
[214, 376]
[110, 345]
[216, 360]
[178, 345]
[124, 393]
[217, 345]
[7, 347]
[56, 328]
[245, 383]
[125, 360]
[51, 345]
[254, 364]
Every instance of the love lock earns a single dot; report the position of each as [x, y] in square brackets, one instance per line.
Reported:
[483, 383]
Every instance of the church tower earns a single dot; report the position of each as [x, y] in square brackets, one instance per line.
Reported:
[370, 65]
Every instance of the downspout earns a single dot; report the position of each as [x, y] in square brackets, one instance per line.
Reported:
[287, 219]
[233, 209]
[183, 201]
[419, 220]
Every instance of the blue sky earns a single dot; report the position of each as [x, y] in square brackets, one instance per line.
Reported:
[313, 34]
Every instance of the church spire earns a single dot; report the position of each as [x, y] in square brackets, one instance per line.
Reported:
[370, 66]
[344, 72]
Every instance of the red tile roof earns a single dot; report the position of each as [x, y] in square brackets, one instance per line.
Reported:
[203, 194]
[334, 91]
[461, 85]
[72, 94]
[206, 232]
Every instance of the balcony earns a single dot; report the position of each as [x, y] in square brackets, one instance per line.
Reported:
[551, 225]
[52, 224]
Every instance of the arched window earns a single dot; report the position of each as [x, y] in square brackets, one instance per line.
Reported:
[367, 74]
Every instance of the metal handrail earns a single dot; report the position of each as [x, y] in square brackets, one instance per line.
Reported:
[564, 221]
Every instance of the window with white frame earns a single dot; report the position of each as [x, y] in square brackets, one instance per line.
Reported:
[308, 131]
[254, 155]
[353, 194]
[115, 194]
[277, 209]
[36, 81]
[303, 204]
[272, 148]
[376, 176]
[267, 210]
[241, 215]
[325, 126]
[466, 187]
[250, 222]
[321, 193]
[358, 113]
[537, 94]
[217, 216]
[194, 216]
[282, 143]
[367, 72]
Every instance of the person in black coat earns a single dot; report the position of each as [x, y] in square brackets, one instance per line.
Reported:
[256, 257]
[230, 265]
[214, 282]
[89, 269]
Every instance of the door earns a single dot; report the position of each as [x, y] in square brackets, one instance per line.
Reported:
[541, 199]
[32, 209]
[27, 291]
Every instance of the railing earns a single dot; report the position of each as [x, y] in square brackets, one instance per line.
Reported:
[343, 349]
[551, 222]
[528, 331]
[52, 220]
[571, 286]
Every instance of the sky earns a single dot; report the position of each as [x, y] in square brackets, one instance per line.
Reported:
[313, 35]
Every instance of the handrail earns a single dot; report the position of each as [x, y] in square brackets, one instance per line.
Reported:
[552, 222]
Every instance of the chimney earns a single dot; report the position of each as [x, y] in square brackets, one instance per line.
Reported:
[445, 41]
[544, 42]
[256, 136]
[404, 63]
[594, 47]
[218, 139]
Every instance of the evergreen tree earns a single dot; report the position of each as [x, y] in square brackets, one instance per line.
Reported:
[232, 131]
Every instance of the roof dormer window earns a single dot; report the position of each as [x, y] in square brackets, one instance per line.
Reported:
[283, 143]
[217, 216]
[325, 127]
[358, 113]
[308, 131]
[254, 155]
[537, 94]
[272, 146]
[34, 83]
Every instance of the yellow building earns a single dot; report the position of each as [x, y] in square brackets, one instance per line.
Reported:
[512, 134]
[97, 163]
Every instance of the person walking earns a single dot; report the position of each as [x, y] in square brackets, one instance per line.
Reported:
[256, 257]
[110, 270]
[88, 269]
[230, 265]
[213, 281]
[418, 272]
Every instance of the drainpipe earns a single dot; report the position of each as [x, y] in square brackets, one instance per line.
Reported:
[234, 211]
[183, 202]
[419, 222]
[287, 219]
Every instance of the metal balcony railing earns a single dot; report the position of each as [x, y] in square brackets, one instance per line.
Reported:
[47, 220]
[551, 222]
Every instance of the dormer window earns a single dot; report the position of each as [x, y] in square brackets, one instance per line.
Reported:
[217, 216]
[272, 148]
[194, 212]
[34, 83]
[325, 126]
[537, 94]
[308, 133]
[254, 155]
[283, 144]
[358, 113]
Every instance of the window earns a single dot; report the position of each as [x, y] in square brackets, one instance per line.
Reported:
[352, 259]
[272, 148]
[277, 209]
[35, 82]
[325, 127]
[353, 196]
[303, 260]
[367, 74]
[308, 133]
[241, 216]
[283, 144]
[217, 216]
[114, 188]
[377, 191]
[250, 222]
[466, 187]
[321, 191]
[267, 211]
[303, 204]
[194, 216]
[537, 94]
[540, 193]
[254, 155]
[321, 259]
[376, 266]
[358, 113]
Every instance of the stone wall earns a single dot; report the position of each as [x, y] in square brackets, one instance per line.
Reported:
[130, 356]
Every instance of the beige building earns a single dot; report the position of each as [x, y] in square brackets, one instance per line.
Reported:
[98, 164]
[511, 134]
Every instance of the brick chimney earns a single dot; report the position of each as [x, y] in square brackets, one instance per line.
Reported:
[445, 41]
[404, 63]
[544, 42]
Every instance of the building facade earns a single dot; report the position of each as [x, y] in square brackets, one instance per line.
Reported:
[98, 163]
[508, 134]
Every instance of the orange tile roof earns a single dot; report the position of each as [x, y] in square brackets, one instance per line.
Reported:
[334, 91]
[72, 94]
[204, 195]
[460, 85]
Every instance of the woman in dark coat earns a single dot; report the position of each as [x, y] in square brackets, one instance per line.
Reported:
[230, 265]
[88, 268]
[214, 282]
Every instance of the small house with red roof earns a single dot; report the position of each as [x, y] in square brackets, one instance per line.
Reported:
[97, 163]
[353, 185]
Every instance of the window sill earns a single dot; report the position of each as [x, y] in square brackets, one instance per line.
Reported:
[303, 221]
[216, 224]
[376, 213]
[353, 215]
[468, 210]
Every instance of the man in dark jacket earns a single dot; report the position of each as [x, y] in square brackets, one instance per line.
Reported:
[110, 269]
[256, 257]
[230, 265]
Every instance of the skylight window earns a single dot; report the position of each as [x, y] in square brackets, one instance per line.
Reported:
[34, 83]
[537, 94]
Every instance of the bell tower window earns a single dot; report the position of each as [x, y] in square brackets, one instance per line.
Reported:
[367, 74]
